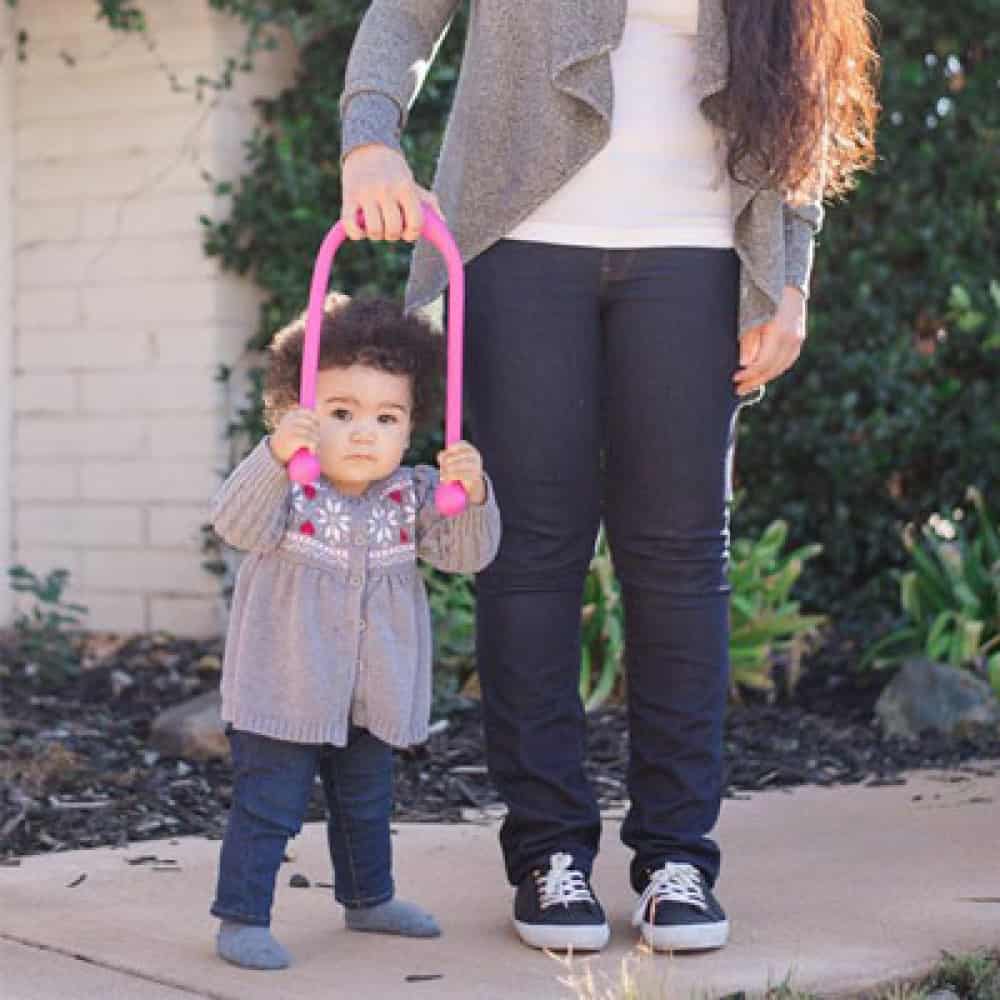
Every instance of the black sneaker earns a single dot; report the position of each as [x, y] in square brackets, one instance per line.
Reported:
[677, 911]
[556, 908]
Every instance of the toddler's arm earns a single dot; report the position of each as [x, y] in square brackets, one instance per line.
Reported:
[251, 508]
[465, 543]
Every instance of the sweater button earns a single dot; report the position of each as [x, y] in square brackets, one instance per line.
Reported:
[359, 539]
[355, 580]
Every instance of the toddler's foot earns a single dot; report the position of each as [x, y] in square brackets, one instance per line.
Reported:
[250, 946]
[393, 917]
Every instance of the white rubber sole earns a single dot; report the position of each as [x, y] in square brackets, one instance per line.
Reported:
[685, 937]
[586, 937]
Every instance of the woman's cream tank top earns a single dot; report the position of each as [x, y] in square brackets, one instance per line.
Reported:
[660, 180]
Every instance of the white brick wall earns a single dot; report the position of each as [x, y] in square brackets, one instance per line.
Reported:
[112, 320]
[7, 216]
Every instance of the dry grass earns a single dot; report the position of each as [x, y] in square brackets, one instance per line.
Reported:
[639, 978]
[974, 976]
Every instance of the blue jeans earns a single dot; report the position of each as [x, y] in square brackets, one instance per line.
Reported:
[599, 385]
[272, 786]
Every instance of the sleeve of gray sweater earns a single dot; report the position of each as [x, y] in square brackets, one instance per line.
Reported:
[394, 47]
[465, 543]
[251, 508]
[803, 222]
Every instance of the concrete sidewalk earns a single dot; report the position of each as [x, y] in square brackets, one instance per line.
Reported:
[838, 889]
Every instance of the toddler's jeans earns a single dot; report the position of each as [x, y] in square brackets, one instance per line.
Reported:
[272, 785]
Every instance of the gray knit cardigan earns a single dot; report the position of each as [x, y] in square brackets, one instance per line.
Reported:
[533, 104]
[330, 621]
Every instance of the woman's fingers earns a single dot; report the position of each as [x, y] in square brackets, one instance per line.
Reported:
[377, 179]
[759, 371]
[777, 354]
[374, 225]
[349, 218]
[749, 345]
[413, 213]
[392, 217]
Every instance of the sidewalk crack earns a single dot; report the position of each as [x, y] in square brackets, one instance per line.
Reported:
[124, 969]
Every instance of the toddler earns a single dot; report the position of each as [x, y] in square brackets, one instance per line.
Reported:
[328, 655]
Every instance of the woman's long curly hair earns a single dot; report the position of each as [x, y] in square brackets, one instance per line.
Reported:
[800, 105]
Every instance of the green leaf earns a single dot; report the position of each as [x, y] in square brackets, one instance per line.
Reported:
[904, 641]
[993, 672]
[938, 642]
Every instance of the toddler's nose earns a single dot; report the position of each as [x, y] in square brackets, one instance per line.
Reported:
[363, 430]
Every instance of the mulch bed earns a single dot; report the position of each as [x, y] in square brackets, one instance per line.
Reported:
[76, 771]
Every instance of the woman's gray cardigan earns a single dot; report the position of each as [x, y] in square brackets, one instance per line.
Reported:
[532, 105]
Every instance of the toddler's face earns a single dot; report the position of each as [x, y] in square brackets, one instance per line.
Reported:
[365, 419]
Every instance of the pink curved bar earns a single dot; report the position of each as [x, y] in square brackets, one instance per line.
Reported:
[451, 497]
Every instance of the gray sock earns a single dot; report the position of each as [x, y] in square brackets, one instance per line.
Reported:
[393, 917]
[250, 946]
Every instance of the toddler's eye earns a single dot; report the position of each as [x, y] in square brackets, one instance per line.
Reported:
[388, 418]
[341, 414]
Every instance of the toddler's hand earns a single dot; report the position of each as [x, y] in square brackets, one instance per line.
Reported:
[463, 462]
[296, 429]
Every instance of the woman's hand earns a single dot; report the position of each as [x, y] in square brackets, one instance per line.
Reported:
[773, 347]
[463, 462]
[377, 179]
[296, 429]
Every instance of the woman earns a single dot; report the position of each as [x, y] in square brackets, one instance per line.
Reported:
[635, 189]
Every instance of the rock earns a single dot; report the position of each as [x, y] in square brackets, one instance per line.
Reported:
[927, 695]
[120, 680]
[192, 729]
[488, 813]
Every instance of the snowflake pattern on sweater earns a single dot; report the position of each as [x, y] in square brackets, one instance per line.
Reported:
[320, 522]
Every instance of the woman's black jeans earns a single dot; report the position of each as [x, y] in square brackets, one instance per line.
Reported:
[599, 385]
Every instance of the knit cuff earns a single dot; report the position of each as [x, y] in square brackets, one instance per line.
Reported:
[800, 244]
[262, 473]
[369, 116]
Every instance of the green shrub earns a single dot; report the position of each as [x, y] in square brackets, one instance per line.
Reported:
[950, 596]
[765, 623]
[602, 628]
[46, 638]
[766, 626]
[891, 409]
[453, 612]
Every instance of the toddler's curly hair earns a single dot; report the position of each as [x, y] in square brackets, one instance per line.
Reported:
[366, 330]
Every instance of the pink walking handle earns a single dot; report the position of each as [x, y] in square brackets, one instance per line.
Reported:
[450, 498]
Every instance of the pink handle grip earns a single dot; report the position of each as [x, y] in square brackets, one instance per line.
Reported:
[450, 498]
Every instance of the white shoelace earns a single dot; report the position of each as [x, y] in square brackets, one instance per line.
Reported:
[562, 884]
[676, 882]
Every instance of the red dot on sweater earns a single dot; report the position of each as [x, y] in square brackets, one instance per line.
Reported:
[309, 490]
[396, 495]
[404, 535]
[307, 528]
